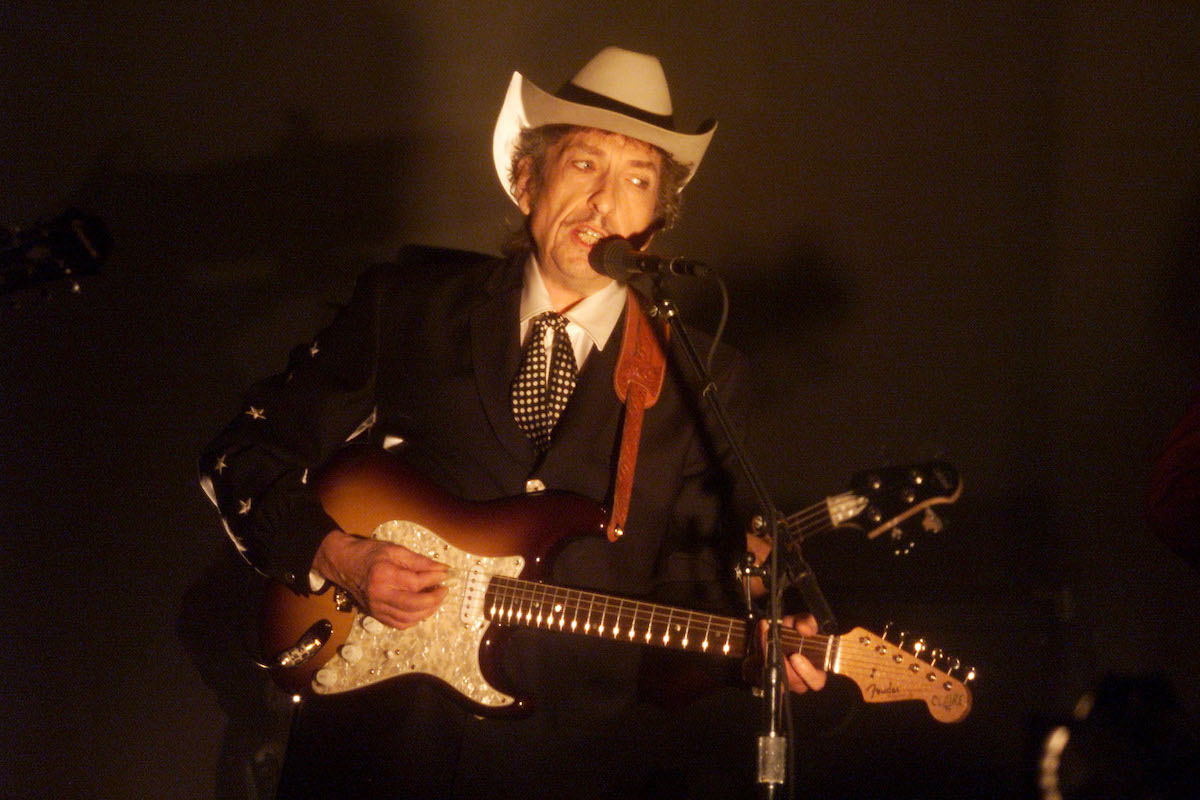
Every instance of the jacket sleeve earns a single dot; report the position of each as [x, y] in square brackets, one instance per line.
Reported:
[257, 470]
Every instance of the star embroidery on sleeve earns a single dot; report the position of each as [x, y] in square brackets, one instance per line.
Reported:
[244, 507]
[255, 413]
[364, 426]
[219, 467]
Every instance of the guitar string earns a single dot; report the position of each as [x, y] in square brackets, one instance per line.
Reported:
[729, 632]
[815, 516]
[520, 593]
[524, 599]
[597, 610]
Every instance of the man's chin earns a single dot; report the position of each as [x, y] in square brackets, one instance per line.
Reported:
[575, 265]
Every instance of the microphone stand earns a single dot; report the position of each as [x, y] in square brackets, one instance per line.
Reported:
[773, 743]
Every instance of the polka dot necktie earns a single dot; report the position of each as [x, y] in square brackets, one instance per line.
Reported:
[538, 402]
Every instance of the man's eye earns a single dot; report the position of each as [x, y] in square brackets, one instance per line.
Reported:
[641, 183]
[582, 164]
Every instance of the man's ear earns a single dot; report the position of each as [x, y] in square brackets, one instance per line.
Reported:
[521, 186]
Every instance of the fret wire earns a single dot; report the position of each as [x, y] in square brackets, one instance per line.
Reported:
[603, 615]
[535, 605]
[576, 605]
[546, 612]
[509, 603]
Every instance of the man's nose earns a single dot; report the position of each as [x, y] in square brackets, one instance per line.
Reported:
[604, 194]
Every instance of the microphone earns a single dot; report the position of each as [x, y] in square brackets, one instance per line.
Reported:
[616, 258]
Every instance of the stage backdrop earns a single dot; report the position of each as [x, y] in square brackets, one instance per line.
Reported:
[950, 231]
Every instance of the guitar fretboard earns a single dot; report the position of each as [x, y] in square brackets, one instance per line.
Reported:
[512, 601]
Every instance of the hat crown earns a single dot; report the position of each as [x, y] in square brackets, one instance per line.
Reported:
[618, 91]
[634, 79]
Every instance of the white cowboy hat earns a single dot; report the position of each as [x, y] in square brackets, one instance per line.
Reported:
[618, 91]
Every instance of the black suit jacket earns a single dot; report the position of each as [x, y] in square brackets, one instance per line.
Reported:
[427, 350]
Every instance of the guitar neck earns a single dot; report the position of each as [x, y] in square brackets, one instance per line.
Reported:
[512, 601]
[883, 671]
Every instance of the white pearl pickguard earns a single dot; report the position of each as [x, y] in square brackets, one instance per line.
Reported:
[444, 645]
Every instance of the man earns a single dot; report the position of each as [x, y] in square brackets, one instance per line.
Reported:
[443, 350]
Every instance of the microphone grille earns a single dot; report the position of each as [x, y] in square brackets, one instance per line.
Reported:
[609, 255]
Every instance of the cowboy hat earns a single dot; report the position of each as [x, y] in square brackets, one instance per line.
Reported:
[618, 91]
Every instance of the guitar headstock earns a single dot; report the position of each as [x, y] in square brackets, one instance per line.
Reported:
[881, 500]
[889, 671]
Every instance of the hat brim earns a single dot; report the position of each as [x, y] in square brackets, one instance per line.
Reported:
[527, 106]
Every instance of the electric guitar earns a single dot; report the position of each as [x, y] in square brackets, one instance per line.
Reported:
[495, 552]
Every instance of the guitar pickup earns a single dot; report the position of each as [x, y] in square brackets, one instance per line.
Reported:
[474, 594]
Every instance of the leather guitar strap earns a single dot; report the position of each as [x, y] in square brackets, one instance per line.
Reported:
[638, 380]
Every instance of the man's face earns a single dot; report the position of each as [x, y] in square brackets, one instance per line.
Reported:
[596, 184]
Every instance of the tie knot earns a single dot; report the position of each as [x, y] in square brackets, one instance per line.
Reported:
[550, 319]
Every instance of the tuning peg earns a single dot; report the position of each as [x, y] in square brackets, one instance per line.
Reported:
[918, 647]
[893, 636]
[964, 674]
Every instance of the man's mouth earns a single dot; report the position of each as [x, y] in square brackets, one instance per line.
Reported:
[588, 236]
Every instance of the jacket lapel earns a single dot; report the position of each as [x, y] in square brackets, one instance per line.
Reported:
[496, 353]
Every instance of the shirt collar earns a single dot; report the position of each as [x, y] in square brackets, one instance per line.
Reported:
[596, 315]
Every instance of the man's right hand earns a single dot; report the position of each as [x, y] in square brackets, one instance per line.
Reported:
[391, 583]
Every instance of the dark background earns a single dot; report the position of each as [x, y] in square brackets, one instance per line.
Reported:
[964, 231]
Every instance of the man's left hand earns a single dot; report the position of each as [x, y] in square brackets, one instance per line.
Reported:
[801, 674]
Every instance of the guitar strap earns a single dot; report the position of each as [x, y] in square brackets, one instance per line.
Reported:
[638, 380]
